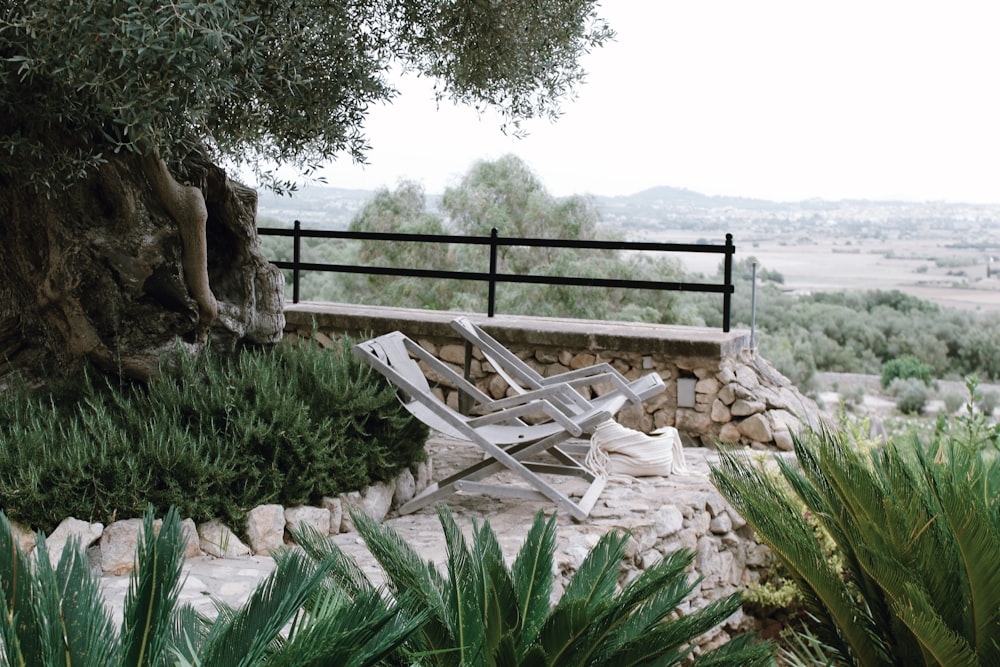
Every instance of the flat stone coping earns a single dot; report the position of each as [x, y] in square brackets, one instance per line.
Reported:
[513, 330]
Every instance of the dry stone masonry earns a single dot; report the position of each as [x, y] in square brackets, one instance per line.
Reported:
[738, 399]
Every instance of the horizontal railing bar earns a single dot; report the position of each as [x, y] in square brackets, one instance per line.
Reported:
[500, 240]
[510, 277]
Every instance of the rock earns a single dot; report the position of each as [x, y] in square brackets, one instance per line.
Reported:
[721, 524]
[86, 533]
[667, 520]
[317, 518]
[729, 433]
[783, 440]
[190, 532]
[336, 510]
[693, 421]
[349, 501]
[404, 489]
[727, 394]
[423, 474]
[582, 360]
[720, 412]
[376, 499]
[118, 545]
[219, 541]
[756, 428]
[708, 386]
[452, 353]
[742, 407]
[266, 528]
[25, 539]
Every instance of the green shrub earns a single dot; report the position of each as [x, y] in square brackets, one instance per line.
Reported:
[213, 436]
[953, 401]
[918, 532]
[905, 367]
[910, 394]
[988, 402]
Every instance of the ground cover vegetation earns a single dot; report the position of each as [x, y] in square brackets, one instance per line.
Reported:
[214, 435]
[318, 608]
[889, 547]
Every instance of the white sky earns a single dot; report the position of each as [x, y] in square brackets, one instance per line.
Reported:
[784, 100]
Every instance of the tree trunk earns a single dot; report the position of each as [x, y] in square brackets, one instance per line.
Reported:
[97, 272]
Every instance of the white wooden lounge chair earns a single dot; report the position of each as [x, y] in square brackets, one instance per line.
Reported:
[508, 441]
[522, 378]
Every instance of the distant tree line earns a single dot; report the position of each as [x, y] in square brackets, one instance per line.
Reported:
[850, 331]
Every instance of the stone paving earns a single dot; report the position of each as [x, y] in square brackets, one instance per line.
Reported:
[662, 513]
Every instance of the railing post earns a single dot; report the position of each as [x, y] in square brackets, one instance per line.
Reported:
[296, 258]
[727, 295]
[491, 305]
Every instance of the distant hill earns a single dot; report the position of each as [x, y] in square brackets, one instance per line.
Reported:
[659, 207]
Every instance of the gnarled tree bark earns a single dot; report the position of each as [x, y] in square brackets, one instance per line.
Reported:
[120, 265]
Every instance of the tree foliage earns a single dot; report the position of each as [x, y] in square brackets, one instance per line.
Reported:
[285, 82]
[506, 195]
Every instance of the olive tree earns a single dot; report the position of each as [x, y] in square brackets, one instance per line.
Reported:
[118, 231]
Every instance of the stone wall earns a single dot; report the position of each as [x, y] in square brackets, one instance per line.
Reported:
[739, 398]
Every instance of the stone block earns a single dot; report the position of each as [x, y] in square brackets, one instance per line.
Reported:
[336, 510]
[219, 541]
[87, 533]
[118, 545]
[720, 412]
[667, 520]
[454, 354]
[317, 518]
[266, 528]
[405, 488]
[743, 408]
[756, 428]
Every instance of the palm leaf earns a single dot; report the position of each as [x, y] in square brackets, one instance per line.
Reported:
[253, 631]
[843, 623]
[532, 573]
[344, 570]
[596, 579]
[90, 638]
[960, 483]
[468, 588]
[153, 590]
[501, 610]
[346, 632]
[407, 572]
[19, 626]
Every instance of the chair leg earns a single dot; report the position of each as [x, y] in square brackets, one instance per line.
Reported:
[500, 459]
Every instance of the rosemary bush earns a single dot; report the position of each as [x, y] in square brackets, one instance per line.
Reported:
[214, 436]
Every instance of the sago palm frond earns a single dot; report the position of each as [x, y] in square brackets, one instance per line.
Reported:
[153, 590]
[842, 622]
[532, 574]
[247, 636]
[919, 535]
[343, 631]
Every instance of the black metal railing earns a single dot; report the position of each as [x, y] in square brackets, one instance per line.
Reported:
[492, 276]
